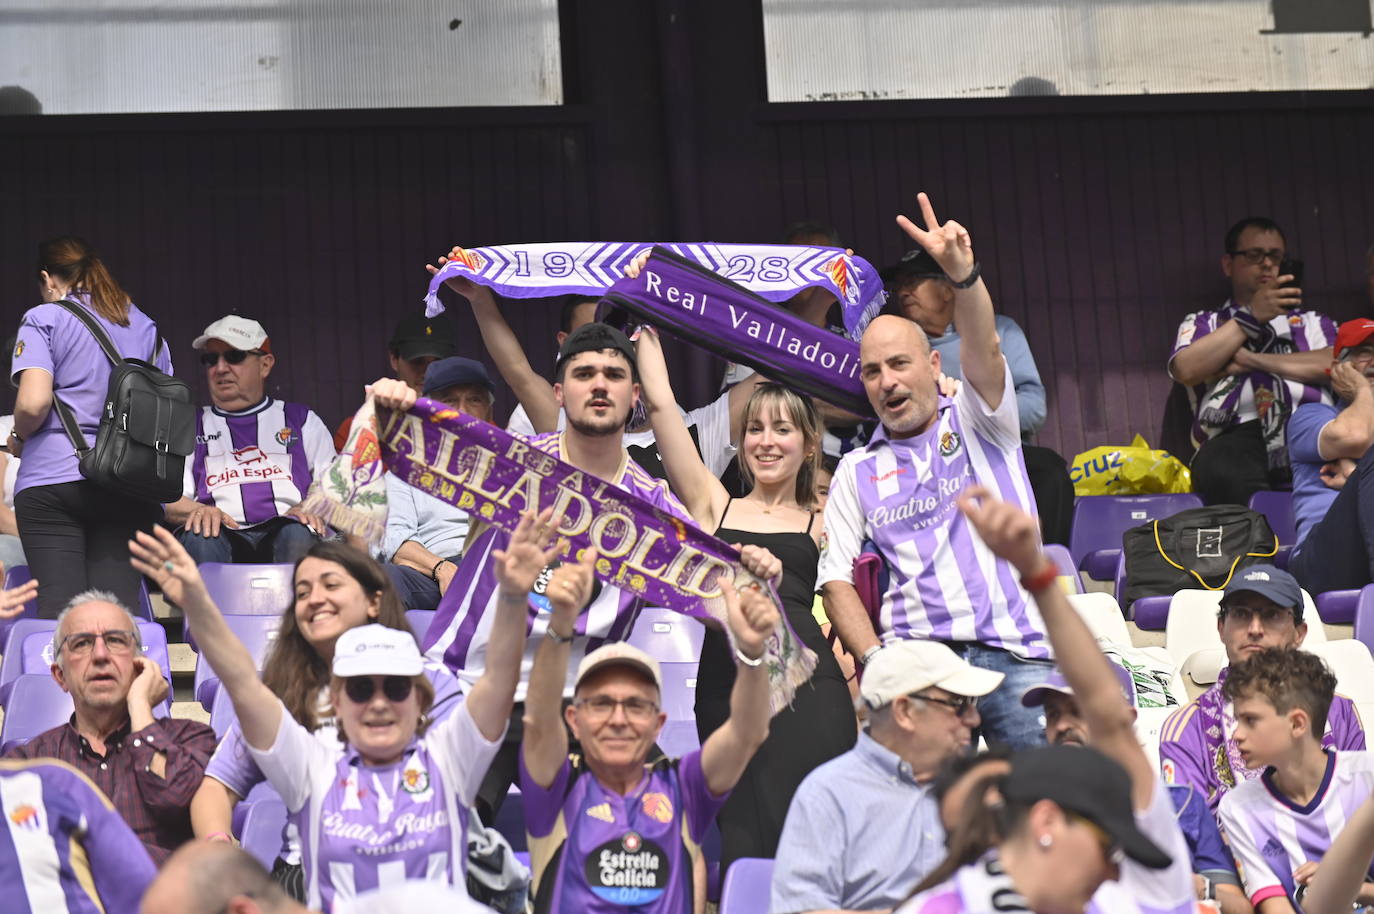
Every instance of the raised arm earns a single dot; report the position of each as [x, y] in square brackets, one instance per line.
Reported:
[159, 556]
[752, 616]
[517, 567]
[702, 494]
[980, 351]
[545, 743]
[1014, 535]
[532, 389]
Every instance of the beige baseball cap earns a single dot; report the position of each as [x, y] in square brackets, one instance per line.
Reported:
[239, 332]
[619, 653]
[910, 666]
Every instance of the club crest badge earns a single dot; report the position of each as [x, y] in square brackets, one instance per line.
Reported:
[949, 444]
[285, 437]
[415, 780]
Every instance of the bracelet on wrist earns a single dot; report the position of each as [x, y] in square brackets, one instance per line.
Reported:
[747, 660]
[221, 836]
[1045, 578]
[968, 280]
[434, 572]
[868, 654]
[16, 436]
[556, 638]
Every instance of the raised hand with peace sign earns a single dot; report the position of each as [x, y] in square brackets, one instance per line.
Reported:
[950, 244]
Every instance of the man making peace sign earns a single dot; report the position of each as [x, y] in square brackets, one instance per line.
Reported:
[900, 492]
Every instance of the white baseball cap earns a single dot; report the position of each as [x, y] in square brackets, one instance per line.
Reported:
[622, 654]
[239, 332]
[375, 650]
[910, 666]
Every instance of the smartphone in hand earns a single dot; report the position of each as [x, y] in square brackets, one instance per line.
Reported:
[1291, 266]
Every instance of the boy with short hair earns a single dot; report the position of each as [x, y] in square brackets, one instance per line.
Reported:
[1281, 824]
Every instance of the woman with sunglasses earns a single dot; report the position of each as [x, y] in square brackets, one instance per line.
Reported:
[337, 588]
[394, 806]
[73, 531]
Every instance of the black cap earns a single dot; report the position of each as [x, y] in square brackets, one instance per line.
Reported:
[595, 337]
[1086, 783]
[455, 370]
[915, 264]
[416, 335]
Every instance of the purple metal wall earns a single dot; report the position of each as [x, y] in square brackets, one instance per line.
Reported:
[1098, 221]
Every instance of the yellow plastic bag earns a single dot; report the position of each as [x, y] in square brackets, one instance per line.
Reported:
[1133, 470]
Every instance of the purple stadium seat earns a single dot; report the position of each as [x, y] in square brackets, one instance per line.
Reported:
[1364, 616]
[679, 737]
[1099, 521]
[419, 620]
[247, 590]
[1064, 562]
[29, 650]
[510, 819]
[668, 636]
[1277, 508]
[1341, 607]
[747, 886]
[262, 826]
[221, 711]
[256, 633]
[37, 703]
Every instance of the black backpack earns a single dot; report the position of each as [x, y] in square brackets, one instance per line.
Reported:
[1196, 548]
[147, 427]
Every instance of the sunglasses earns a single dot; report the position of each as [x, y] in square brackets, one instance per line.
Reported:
[360, 689]
[230, 356]
[960, 705]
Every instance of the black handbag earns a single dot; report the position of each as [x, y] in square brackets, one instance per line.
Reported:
[1196, 548]
[147, 426]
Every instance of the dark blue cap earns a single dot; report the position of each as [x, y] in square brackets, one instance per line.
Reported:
[453, 371]
[1267, 581]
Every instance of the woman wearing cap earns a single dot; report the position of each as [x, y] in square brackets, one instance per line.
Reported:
[73, 530]
[780, 455]
[394, 806]
[1050, 831]
[337, 588]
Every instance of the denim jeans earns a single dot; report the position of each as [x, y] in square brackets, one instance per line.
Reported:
[1004, 718]
[278, 541]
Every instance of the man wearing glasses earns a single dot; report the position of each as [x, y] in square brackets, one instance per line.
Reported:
[1332, 467]
[1261, 608]
[254, 460]
[864, 828]
[1249, 364]
[149, 767]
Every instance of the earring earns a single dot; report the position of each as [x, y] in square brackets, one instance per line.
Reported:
[1045, 841]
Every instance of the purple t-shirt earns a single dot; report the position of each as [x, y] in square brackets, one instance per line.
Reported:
[1312, 498]
[593, 850]
[56, 342]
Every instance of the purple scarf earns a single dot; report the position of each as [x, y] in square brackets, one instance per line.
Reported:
[705, 310]
[775, 272]
[495, 476]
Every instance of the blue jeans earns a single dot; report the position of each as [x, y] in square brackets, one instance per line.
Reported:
[1004, 718]
[279, 541]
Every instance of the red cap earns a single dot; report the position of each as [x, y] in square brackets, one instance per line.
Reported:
[1352, 334]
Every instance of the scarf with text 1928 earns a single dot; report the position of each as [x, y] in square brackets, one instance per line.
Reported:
[775, 272]
[495, 476]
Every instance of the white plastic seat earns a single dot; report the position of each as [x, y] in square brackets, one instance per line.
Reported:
[1354, 667]
[1192, 624]
[1103, 616]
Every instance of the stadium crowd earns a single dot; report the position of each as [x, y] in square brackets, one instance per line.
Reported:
[462, 713]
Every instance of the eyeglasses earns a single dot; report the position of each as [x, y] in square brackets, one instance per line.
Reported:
[117, 641]
[1362, 354]
[230, 356]
[1259, 255]
[960, 705]
[600, 707]
[360, 689]
[1110, 849]
[1270, 616]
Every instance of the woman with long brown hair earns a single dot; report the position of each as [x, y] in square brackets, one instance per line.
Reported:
[74, 532]
[780, 455]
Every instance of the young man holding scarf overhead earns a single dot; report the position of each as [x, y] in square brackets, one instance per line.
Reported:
[900, 492]
[597, 386]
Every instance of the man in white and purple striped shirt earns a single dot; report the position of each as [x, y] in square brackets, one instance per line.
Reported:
[597, 388]
[1249, 364]
[255, 457]
[900, 492]
[1280, 824]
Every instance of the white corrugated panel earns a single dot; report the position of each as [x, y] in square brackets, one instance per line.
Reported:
[846, 50]
[125, 56]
